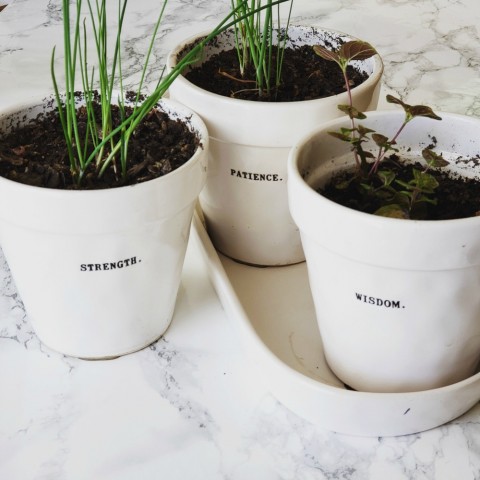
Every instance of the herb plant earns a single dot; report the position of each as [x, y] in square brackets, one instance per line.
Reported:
[103, 145]
[259, 41]
[373, 178]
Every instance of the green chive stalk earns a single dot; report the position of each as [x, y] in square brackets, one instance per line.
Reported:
[255, 41]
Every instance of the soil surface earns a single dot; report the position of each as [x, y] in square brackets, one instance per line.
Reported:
[455, 197]
[305, 76]
[36, 154]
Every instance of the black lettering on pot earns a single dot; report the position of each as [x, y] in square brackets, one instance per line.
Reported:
[379, 302]
[96, 267]
[256, 177]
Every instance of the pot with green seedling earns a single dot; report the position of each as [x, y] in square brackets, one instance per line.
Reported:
[97, 191]
[387, 205]
[255, 122]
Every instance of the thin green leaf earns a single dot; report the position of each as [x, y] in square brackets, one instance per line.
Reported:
[408, 185]
[366, 187]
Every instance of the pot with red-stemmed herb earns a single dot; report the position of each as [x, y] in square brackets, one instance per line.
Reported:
[394, 270]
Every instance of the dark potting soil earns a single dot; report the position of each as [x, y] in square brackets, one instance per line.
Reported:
[36, 154]
[456, 197]
[305, 76]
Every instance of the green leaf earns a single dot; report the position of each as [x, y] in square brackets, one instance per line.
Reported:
[367, 187]
[392, 211]
[386, 177]
[357, 143]
[363, 131]
[408, 185]
[341, 136]
[343, 185]
[356, 50]
[403, 199]
[385, 194]
[352, 112]
[424, 182]
[433, 159]
[425, 199]
[380, 140]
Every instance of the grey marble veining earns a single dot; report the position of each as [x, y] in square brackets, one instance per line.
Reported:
[191, 406]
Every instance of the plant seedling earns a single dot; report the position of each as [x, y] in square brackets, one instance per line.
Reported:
[399, 198]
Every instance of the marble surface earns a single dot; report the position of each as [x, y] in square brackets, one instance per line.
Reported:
[191, 406]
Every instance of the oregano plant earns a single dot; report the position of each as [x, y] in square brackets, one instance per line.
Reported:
[399, 198]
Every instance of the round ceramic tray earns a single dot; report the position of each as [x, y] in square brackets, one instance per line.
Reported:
[274, 310]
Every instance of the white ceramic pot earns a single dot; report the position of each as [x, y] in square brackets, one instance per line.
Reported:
[397, 301]
[245, 197]
[99, 270]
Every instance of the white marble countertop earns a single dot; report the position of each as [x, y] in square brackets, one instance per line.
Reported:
[191, 406]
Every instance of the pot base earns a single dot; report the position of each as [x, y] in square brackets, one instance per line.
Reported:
[109, 356]
[281, 336]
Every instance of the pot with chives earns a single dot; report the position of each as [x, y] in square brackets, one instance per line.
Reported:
[388, 215]
[96, 244]
[245, 198]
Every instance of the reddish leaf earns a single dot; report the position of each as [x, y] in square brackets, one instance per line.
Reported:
[434, 159]
[325, 53]
[397, 101]
[364, 130]
[356, 50]
[423, 111]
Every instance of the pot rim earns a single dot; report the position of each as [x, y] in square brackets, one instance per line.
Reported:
[372, 79]
[194, 120]
[414, 245]
[294, 174]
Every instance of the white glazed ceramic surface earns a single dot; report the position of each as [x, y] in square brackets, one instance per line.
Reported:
[245, 198]
[274, 313]
[98, 271]
[397, 301]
